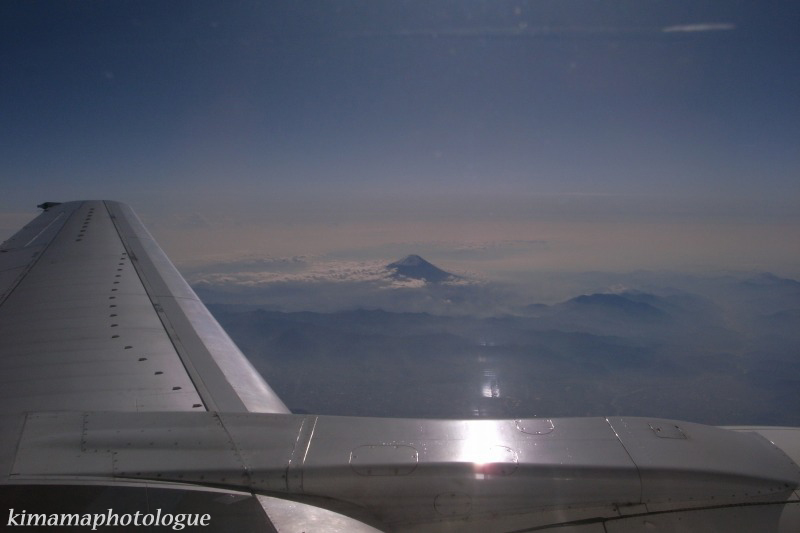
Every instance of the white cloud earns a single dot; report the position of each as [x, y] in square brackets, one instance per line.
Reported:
[259, 273]
[687, 28]
[404, 283]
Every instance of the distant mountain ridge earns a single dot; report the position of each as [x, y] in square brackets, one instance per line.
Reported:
[767, 279]
[629, 304]
[415, 267]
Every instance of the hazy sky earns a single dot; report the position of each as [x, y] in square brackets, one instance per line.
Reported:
[608, 135]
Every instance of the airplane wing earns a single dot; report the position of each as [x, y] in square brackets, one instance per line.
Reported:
[94, 314]
[123, 401]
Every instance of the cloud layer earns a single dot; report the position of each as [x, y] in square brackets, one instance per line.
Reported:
[265, 272]
[324, 284]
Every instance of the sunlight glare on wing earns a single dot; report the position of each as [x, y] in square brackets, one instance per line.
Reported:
[483, 450]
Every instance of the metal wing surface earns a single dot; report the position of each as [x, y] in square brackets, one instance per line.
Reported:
[121, 393]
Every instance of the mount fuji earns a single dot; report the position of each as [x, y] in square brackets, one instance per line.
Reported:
[415, 267]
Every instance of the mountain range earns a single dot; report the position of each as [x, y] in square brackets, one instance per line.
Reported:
[707, 356]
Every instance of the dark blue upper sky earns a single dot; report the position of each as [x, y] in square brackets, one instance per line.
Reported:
[689, 103]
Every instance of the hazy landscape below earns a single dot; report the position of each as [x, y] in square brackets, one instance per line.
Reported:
[717, 349]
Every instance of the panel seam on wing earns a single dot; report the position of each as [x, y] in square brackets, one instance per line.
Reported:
[27, 268]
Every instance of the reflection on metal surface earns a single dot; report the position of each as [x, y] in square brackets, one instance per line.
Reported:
[482, 449]
[535, 426]
[490, 387]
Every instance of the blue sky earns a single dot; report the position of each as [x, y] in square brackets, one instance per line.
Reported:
[623, 134]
